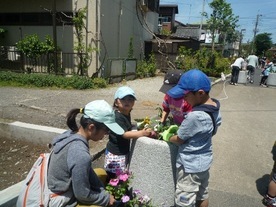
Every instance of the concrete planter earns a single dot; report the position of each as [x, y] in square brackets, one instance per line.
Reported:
[242, 77]
[152, 163]
[271, 80]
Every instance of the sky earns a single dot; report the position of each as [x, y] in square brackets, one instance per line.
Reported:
[189, 11]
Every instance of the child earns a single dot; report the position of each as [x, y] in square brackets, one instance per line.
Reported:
[174, 105]
[194, 138]
[265, 74]
[70, 174]
[270, 197]
[118, 146]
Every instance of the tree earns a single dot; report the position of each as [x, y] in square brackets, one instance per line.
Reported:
[33, 48]
[222, 20]
[262, 43]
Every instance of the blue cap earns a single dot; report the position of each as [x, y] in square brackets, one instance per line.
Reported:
[192, 80]
[124, 91]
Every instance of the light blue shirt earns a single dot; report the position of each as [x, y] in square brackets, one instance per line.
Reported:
[196, 154]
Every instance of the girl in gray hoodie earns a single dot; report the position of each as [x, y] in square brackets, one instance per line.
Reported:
[70, 174]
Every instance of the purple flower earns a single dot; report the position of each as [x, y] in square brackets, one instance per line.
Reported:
[114, 182]
[137, 192]
[125, 199]
[118, 172]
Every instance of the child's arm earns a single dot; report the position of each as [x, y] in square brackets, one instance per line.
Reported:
[164, 117]
[176, 140]
[136, 134]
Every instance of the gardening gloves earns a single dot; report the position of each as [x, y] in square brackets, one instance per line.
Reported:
[171, 131]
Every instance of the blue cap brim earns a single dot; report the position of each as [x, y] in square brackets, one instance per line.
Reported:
[176, 92]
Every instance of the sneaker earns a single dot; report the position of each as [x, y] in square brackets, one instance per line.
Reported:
[235, 84]
[251, 81]
[231, 83]
[269, 202]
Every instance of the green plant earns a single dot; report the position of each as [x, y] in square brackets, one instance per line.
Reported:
[32, 47]
[48, 80]
[212, 63]
[147, 68]
[83, 50]
[119, 188]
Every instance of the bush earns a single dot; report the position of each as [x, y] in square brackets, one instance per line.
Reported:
[46, 80]
[146, 68]
[211, 63]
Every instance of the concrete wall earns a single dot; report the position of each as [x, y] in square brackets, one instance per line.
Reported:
[28, 132]
[153, 165]
[110, 25]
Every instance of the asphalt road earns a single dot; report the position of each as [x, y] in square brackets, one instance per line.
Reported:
[242, 158]
[242, 146]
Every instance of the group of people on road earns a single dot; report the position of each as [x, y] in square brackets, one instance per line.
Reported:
[195, 113]
[251, 63]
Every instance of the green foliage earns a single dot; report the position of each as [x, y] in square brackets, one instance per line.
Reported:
[262, 43]
[221, 19]
[146, 68]
[212, 63]
[32, 47]
[46, 80]
[83, 51]
[165, 32]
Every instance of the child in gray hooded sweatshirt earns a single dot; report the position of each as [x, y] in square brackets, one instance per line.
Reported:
[70, 173]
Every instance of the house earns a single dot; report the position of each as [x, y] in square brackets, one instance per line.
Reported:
[165, 47]
[110, 26]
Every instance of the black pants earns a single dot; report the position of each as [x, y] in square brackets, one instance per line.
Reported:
[263, 80]
[235, 74]
[251, 72]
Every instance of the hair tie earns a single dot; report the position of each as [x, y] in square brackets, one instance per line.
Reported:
[81, 110]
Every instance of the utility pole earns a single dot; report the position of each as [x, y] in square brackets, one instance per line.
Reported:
[201, 22]
[255, 32]
[240, 43]
[54, 11]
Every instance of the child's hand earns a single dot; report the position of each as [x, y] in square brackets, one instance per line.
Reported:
[147, 132]
[171, 131]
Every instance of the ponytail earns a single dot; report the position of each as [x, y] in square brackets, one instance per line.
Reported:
[71, 119]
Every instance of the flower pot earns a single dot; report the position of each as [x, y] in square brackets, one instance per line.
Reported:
[271, 80]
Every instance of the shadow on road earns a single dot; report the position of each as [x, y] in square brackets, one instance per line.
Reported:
[262, 184]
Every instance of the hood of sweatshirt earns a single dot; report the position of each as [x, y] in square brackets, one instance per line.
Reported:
[65, 138]
[207, 107]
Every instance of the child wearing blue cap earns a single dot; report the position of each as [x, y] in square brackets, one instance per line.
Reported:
[118, 146]
[194, 138]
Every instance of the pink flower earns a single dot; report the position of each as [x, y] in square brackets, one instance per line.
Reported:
[123, 177]
[114, 182]
[125, 199]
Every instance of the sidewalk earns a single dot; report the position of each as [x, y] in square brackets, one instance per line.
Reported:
[242, 158]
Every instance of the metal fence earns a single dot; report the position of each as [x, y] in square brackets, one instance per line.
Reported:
[12, 59]
[116, 70]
